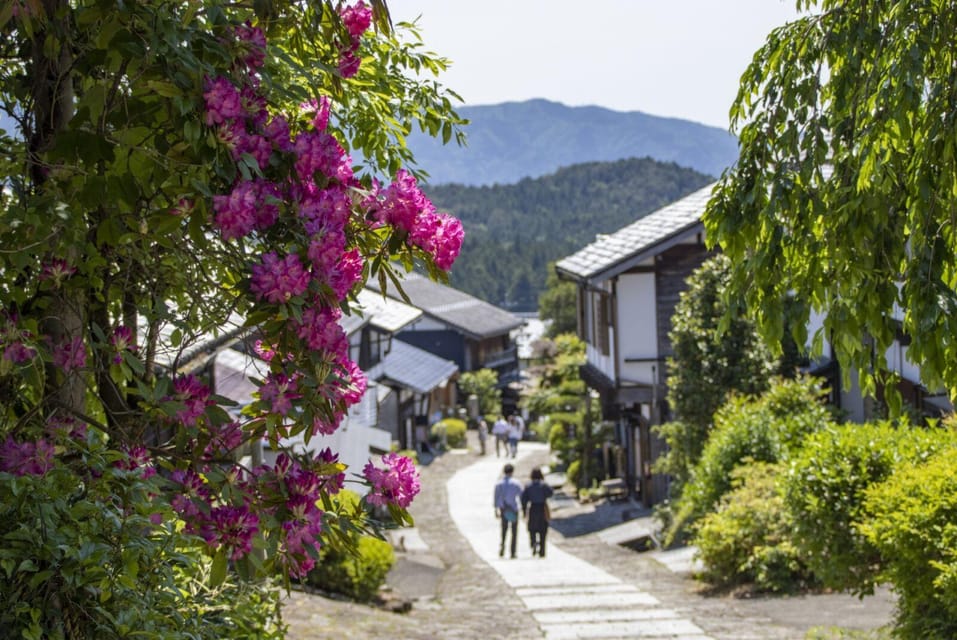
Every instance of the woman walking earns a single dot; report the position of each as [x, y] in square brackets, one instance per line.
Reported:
[535, 510]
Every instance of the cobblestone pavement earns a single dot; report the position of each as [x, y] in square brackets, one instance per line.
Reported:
[461, 596]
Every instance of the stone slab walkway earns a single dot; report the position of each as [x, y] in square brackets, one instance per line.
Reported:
[569, 597]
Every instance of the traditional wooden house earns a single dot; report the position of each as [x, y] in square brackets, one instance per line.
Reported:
[628, 285]
[459, 327]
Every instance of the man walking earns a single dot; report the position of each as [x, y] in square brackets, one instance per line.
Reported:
[500, 431]
[507, 492]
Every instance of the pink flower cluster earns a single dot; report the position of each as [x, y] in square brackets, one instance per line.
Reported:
[276, 279]
[404, 206]
[194, 395]
[57, 270]
[397, 483]
[137, 459]
[357, 20]
[121, 341]
[26, 458]
[70, 354]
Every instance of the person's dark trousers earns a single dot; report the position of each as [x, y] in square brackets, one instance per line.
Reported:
[538, 542]
[514, 547]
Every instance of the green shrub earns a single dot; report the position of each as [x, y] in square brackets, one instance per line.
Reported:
[746, 539]
[765, 429]
[824, 491]
[82, 558]
[573, 471]
[358, 576]
[454, 431]
[913, 524]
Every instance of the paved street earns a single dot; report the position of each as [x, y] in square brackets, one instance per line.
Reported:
[569, 597]
[586, 587]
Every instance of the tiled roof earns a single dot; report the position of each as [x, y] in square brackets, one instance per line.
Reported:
[413, 368]
[468, 314]
[386, 313]
[611, 254]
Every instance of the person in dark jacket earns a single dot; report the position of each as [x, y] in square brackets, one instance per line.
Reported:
[535, 497]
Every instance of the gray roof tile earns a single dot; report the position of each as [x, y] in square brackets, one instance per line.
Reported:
[466, 313]
[640, 237]
[413, 368]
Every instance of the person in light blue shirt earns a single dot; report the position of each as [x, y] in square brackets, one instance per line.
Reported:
[507, 493]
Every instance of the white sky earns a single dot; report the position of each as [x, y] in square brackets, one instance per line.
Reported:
[676, 58]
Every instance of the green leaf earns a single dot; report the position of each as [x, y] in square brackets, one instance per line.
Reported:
[217, 573]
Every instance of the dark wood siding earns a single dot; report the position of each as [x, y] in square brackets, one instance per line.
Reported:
[672, 269]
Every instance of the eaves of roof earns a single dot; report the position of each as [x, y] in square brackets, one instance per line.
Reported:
[474, 318]
[612, 254]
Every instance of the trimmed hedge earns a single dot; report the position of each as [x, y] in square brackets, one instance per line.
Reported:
[454, 430]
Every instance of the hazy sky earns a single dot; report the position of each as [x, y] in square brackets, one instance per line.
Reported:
[677, 58]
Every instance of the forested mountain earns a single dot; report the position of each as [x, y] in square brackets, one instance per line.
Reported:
[513, 140]
[512, 232]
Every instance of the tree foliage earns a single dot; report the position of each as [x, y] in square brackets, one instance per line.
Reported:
[708, 363]
[177, 179]
[516, 230]
[483, 384]
[558, 304]
[844, 192]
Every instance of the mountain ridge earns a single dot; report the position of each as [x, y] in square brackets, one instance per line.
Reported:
[514, 140]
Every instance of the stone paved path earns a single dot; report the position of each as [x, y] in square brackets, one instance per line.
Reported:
[568, 597]
[466, 597]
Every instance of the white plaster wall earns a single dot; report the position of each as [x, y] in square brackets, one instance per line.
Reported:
[638, 327]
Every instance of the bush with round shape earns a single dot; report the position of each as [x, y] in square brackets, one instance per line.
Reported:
[825, 488]
[746, 539]
[767, 428]
[454, 431]
[913, 525]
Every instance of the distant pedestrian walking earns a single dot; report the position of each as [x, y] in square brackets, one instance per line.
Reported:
[482, 435]
[507, 493]
[516, 429]
[500, 431]
[535, 510]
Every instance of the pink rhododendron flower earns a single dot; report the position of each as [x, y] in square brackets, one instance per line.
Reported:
[321, 108]
[320, 331]
[194, 395]
[236, 213]
[279, 391]
[122, 340]
[347, 273]
[70, 354]
[137, 459]
[277, 132]
[26, 458]
[402, 202]
[276, 279]
[349, 63]
[18, 353]
[57, 270]
[333, 480]
[266, 352]
[223, 101]
[327, 426]
[440, 235]
[320, 151]
[191, 493]
[358, 383]
[61, 427]
[224, 439]
[252, 43]
[397, 483]
[357, 18]
[232, 528]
